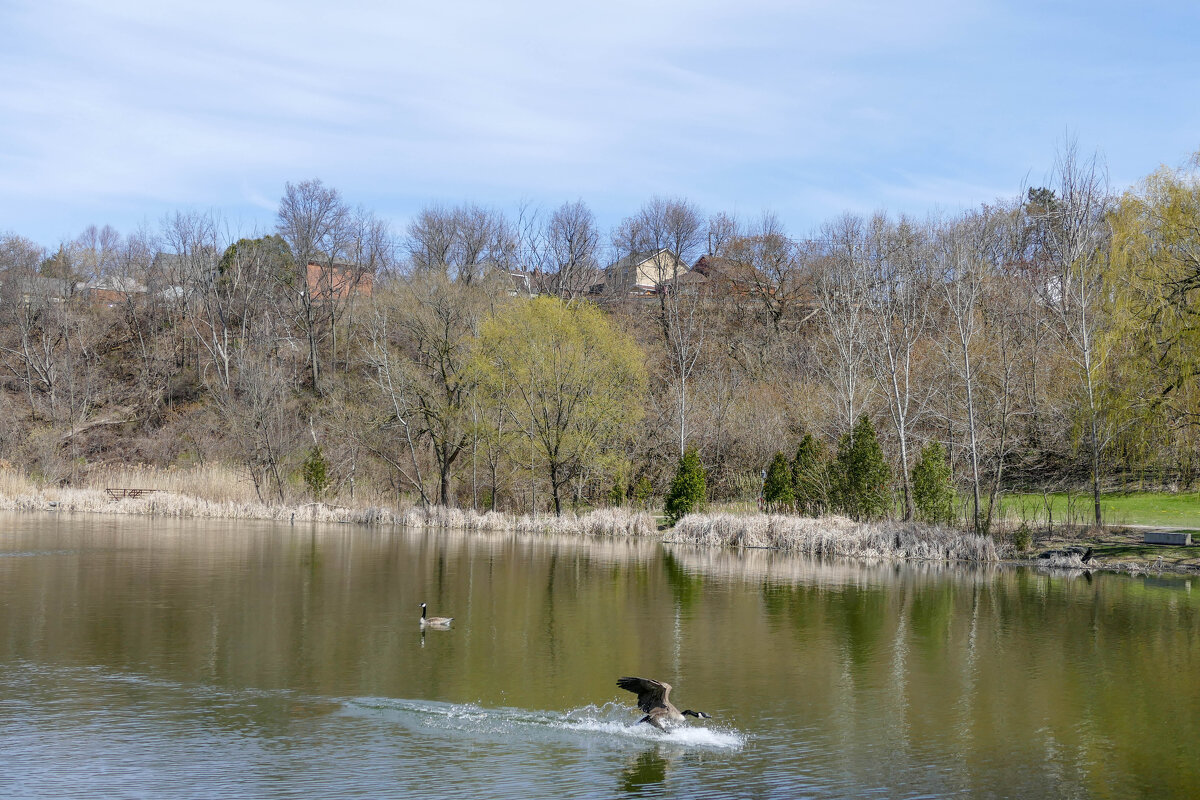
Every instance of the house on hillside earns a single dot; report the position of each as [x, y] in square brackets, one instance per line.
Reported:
[29, 288]
[113, 290]
[723, 276]
[640, 274]
[339, 280]
[519, 283]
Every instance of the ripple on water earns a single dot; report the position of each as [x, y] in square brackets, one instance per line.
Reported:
[610, 721]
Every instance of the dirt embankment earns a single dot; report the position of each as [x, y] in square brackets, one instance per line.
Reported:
[1118, 548]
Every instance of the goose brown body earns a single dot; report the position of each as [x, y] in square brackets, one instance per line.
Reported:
[435, 622]
[653, 699]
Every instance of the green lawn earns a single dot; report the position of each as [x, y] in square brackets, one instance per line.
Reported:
[1143, 508]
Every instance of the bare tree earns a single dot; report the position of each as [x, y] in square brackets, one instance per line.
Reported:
[30, 337]
[423, 331]
[233, 301]
[1077, 233]
[315, 222]
[461, 242]
[897, 302]
[258, 409]
[669, 233]
[723, 229]
[772, 265]
[961, 256]
[395, 420]
[96, 251]
[571, 245]
[840, 288]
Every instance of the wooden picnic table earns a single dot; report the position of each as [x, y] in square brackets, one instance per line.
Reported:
[117, 494]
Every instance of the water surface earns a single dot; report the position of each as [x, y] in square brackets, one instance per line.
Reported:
[184, 659]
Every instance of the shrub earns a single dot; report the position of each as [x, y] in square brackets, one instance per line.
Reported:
[933, 491]
[616, 495]
[688, 487]
[1023, 538]
[643, 490]
[315, 472]
[862, 474]
[810, 477]
[777, 487]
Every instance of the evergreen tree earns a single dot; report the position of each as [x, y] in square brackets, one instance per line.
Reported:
[933, 493]
[687, 489]
[616, 495]
[810, 477]
[643, 491]
[777, 488]
[862, 474]
[315, 471]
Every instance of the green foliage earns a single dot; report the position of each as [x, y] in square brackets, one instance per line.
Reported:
[616, 495]
[933, 492]
[1040, 200]
[777, 488]
[1023, 538]
[569, 377]
[643, 490]
[810, 477]
[315, 472]
[688, 488]
[861, 474]
[268, 252]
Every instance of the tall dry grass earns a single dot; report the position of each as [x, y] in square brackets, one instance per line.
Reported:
[834, 537]
[601, 522]
[210, 493]
[217, 492]
[214, 483]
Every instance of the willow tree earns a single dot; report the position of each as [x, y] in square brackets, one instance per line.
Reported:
[1154, 283]
[565, 372]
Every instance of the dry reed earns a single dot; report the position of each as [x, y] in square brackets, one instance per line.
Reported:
[834, 537]
[20, 494]
[217, 493]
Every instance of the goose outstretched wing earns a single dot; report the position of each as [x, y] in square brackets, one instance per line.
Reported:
[651, 694]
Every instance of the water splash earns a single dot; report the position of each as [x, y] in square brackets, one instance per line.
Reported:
[611, 721]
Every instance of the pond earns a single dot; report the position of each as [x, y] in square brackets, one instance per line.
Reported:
[158, 658]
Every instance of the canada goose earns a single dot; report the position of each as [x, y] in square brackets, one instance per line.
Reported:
[652, 698]
[437, 622]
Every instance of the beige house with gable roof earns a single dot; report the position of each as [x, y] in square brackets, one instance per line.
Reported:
[640, 274]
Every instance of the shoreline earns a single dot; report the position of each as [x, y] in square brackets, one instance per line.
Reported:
[830, 537]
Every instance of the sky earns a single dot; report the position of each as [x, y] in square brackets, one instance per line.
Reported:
[121, 112]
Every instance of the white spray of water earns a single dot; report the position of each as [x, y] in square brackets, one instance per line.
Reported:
[608, 720]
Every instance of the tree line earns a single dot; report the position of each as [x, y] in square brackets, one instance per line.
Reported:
[1043, 342]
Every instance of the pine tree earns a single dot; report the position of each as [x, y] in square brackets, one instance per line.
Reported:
[862, 474]
[616, 495]
[643, 491]
[315, 471]
[777, 488]
[687, 489]
[810, 477]
[933, 492]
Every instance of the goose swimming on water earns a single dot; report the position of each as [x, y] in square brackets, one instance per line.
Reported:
[652, 698]
[436, 622]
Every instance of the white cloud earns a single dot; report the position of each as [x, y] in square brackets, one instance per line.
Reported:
[109, 103]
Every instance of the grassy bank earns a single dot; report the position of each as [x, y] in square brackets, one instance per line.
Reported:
[1149, 509]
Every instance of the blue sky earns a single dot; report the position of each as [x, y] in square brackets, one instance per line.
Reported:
[118, 112]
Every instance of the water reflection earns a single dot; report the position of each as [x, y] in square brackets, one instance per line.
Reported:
[295, 655]
[646, 772]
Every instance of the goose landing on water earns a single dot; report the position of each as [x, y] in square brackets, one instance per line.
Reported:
[434, 622]
[652, 698]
